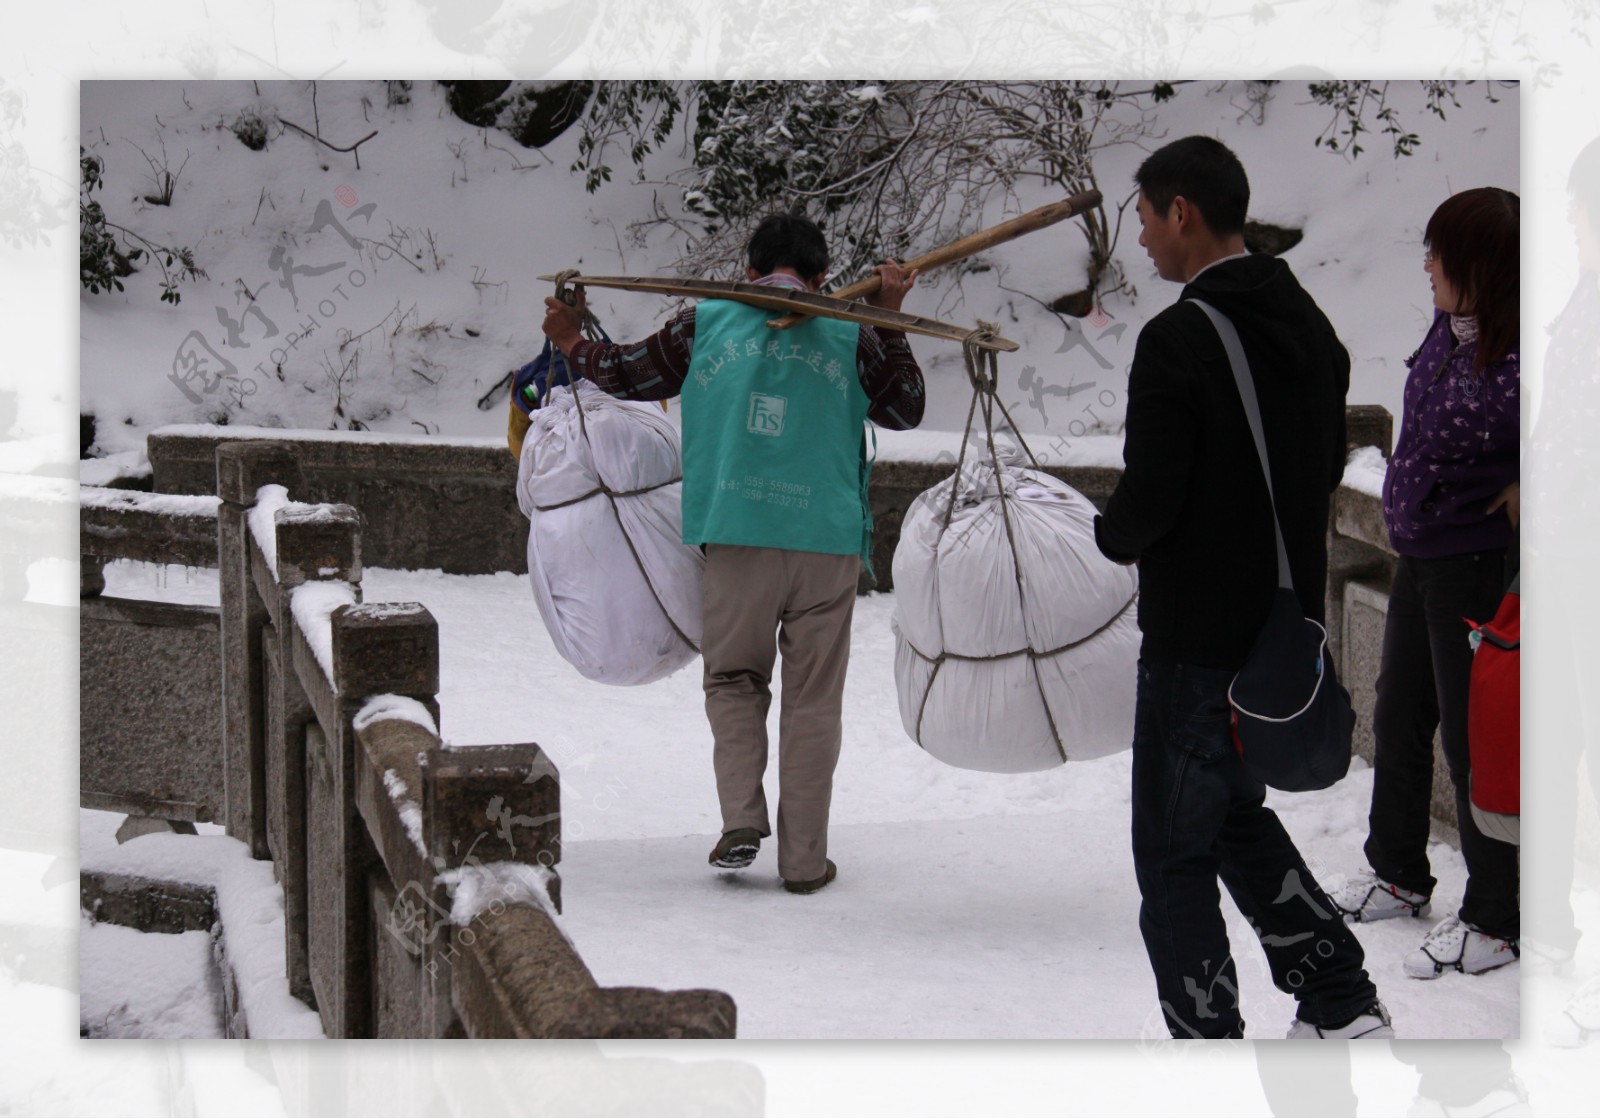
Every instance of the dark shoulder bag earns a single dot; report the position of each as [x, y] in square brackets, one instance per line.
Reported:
[1292, 720]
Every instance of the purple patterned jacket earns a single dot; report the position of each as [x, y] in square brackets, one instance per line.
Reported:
[1458, 448]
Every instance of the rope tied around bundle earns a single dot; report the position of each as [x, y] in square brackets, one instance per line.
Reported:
[593, 331]
[983, 373]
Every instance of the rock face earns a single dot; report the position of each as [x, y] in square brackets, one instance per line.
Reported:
[1274, 240]
[474, 102]
[532, 113]
[1078, 304]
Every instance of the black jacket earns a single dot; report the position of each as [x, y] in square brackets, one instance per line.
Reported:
[1192, 505]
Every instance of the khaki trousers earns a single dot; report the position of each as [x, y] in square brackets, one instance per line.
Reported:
[760, 602]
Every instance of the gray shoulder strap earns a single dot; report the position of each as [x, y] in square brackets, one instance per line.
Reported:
[1252, 412]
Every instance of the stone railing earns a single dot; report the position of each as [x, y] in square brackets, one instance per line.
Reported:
[424, 502]
[419, 880]
[148, 672]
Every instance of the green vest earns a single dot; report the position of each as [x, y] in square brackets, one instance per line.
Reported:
[773, 451]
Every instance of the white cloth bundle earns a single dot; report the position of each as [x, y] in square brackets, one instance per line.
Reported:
[617, 588]
[1000, 677]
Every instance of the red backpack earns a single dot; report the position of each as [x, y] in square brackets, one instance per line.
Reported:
[1494, 710]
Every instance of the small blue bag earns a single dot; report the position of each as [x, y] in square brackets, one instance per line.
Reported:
[531, 386]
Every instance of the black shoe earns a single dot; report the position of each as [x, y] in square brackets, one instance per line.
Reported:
[815, 884]
[736, 849]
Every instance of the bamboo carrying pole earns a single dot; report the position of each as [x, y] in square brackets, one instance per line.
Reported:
[802, 303]
[967, 246]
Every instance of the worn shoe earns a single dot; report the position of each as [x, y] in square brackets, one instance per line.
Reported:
[1579, 1023]
[1508, 1098]
[736, 849]
[1455, 945]
[1540, 957]
[815, 884]
[1371, 1025]
[1366, 897]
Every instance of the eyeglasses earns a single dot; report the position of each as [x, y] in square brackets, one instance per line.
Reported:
[1429, 259]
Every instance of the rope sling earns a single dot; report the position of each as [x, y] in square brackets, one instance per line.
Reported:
[593, 331]
[982, 365]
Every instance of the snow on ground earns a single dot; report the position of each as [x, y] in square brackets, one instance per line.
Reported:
[144, 984]
[249, 904]
[968, 905]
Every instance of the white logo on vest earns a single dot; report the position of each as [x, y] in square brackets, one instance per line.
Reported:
[766, 414]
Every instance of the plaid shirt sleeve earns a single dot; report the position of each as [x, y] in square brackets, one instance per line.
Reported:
[654, 369]
[891, 378]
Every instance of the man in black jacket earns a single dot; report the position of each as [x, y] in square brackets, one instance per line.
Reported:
[1192, 510]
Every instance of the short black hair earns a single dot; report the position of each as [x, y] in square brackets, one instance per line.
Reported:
[1206, 173]
[788, 241]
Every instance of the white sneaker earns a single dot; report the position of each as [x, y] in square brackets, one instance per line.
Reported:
[1366, 897]
[1374, 1025]
[1510, 1098]
[1541, 958]
[1454, 944]
[1580, 1021]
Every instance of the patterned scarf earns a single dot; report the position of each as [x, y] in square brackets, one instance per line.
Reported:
[1464, 327]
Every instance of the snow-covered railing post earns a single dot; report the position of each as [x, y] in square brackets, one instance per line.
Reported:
[388, 650]
[1358, 545]
[148, 704]
[1360, 564]
[316, 547]
[242, 469]
[492, 825]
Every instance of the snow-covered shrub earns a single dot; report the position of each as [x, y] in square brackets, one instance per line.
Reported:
[885, 167]
[250, 129]
[100, 262]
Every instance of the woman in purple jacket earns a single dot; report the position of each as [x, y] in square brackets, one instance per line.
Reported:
[1451, 502]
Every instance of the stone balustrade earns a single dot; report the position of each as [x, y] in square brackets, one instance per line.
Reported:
[420, 882]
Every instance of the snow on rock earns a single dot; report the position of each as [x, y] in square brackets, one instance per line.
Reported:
[263, 521]
[121, 464]
[480, 887]
[264, 518]
[313, 605]
[412, 711]
[1366, 470]
[406, 805]
[243, 431]
[165, 504]
[383, 611]
[159, 582]
[249, 905]
[395, 707]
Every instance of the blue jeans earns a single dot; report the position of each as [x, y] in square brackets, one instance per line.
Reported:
[1198, 817]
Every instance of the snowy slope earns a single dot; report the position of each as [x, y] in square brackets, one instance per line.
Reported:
[436, 299]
